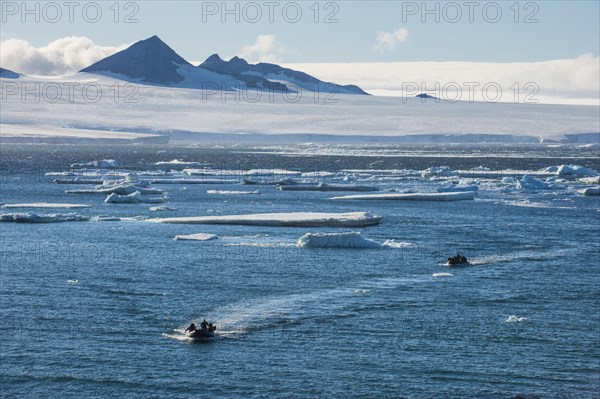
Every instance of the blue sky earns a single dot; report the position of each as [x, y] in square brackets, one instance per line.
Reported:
[565, 29]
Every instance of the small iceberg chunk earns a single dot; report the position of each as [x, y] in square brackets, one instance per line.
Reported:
[516, 319]
[161, 208]
[132, 198]
[529, 182]
[575, 170]
[590, 192]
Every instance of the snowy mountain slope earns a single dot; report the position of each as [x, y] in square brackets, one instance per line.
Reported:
[292, 79]
[8, 74]
[150, 61]
[199, 114]
[153, 62]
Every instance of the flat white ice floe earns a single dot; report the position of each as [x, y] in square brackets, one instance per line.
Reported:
[191, 181]
[121, 189]
[456, 189]
[132, 198]
[299, 219]
[337, 240]
[326, 187]
[31, 217]
[196, 237]
[222, 192]
[460, 196]
[103, 164]
[161, 208]
[178, 163]
[45, 205]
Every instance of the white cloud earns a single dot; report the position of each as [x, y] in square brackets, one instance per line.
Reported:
[566, 81]
[266, 49]
[387, 41]
[63, 56]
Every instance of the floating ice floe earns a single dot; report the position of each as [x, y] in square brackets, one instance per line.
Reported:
[177, 163]
[103, 164]
[531, 183]
[337, 240]
[78, 180]
[196, 237]
[161, 208]
[191, 181]
[326, 187]
[222, 192]
[132, 198]
[589, 180]
[438, 171]
[460, 196]
[575, 170]
[120, 189]
[281, 182]
[45, 205]
[516, 319]
[299, 219]
[456, 189]
[590, 192]
[31, 217]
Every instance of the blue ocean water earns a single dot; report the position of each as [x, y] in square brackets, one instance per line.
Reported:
[97, 308]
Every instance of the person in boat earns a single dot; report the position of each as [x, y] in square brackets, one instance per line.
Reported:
[211, 327]
[204, 325]
[191, 328]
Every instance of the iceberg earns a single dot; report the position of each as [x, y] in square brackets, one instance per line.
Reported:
[528, 182]
[590, 192]
[44, 205]
[437, 171]
[42, 218]
[460, 196]
[196, 237]
[337, 240]
[297, 219]
[326, 187]
[575, 170]
[132, 198]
